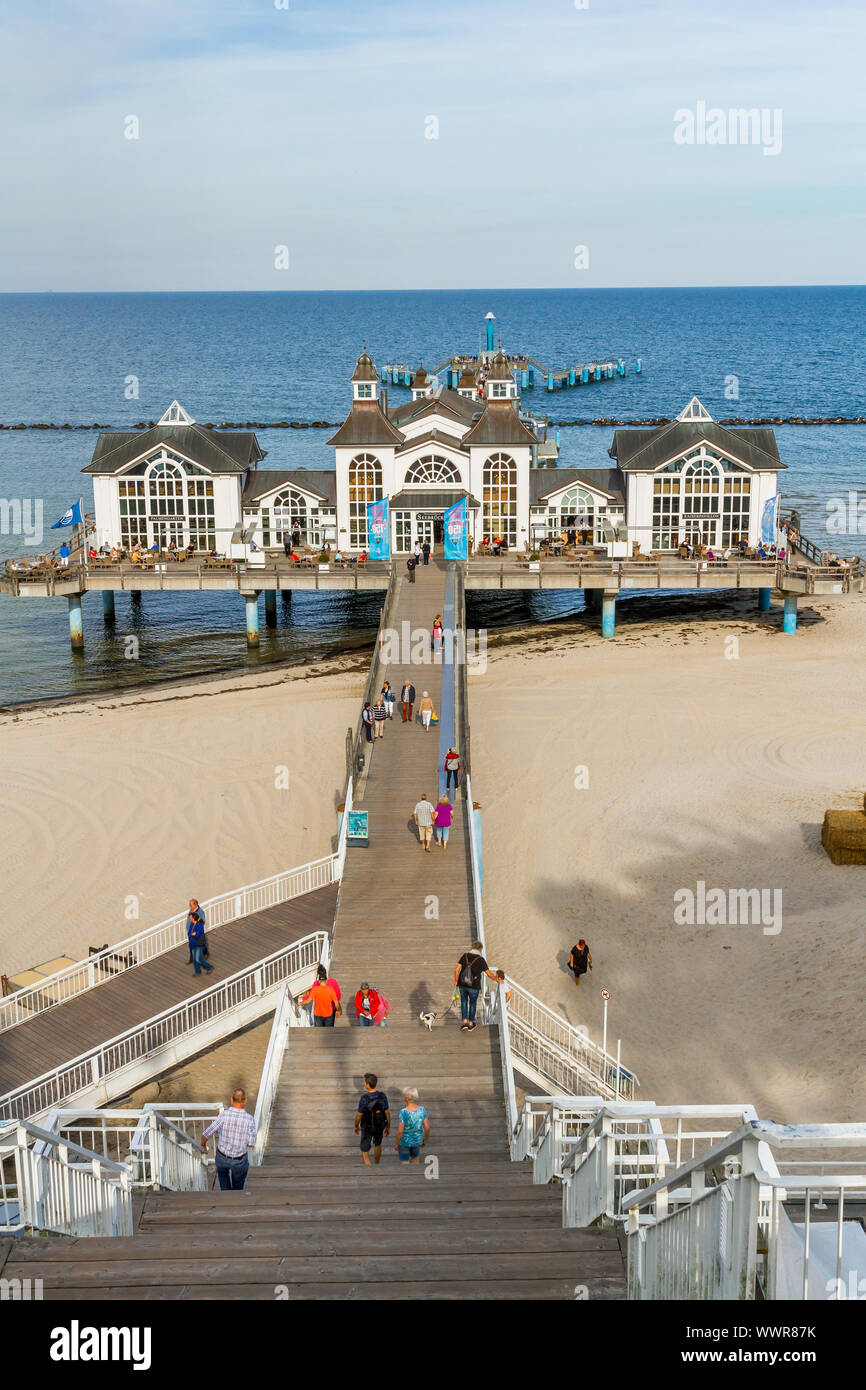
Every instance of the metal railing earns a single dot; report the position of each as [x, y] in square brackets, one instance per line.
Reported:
[115, 1065]
[718, 1226]
[288, 1015]
[556, 1053]
[63, 1188]
[155, 941]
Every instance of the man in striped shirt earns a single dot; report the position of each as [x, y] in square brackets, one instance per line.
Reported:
[236, 1132]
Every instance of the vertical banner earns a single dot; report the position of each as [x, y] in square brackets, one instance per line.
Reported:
[768, 520]
[457, 532]
[378, 540]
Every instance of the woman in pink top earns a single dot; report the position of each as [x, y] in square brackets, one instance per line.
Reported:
[442, 818]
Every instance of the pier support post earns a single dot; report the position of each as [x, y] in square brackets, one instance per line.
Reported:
[76, 627]
[764, 600]
[789, 621]
[108, 605]
[271, 607]
[608, 615]
[592, 599]
[135, 597]
[252, 602]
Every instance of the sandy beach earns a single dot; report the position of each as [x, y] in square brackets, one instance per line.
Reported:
[165, 793]
[699, 767]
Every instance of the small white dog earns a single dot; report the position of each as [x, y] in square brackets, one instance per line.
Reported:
[428, 1019]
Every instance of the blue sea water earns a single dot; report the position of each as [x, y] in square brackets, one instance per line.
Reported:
[279, 356]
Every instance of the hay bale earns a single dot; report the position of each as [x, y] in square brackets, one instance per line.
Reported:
[843, 836]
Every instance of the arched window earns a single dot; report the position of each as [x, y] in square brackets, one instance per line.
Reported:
[500, 498]
[576, 511]
[433, 468]
[365, 485]
[180, 504]
[288, 513]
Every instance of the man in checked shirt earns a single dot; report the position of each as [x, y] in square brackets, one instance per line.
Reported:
[236, 1132]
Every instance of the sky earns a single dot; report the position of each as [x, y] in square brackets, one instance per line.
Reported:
[329, 144]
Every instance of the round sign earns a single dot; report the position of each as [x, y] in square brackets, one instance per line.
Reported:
[605, 994]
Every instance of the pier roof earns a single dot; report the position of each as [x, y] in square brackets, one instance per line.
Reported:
[499, 424]
[365, 368]
[366, 423]
[645, 449]
[447, 402]
[319, 482]
[424, 500]
[219, 453]
[543, 482]
[499, 368]
[433, 436]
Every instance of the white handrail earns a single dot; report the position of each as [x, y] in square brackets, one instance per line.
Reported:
[93, 1067]
[91, 1196]
[498, 1014]
[286, 1015]
[548, 1035]
[145, 946]
[473, 860]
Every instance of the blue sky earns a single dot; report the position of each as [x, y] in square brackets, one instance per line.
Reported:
[306, 127]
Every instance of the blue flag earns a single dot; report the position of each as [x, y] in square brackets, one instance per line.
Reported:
[70, 518]
[457, 532]
[768, 520]
[378, 540]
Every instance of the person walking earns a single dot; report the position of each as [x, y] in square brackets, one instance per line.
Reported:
[367, 716]
[442, 820]
[367, 1004]
[380, 1017]
[64, 556]
[426, 710]
[411, 565]
[380, 714]
[389, 697]
[413, 1128]
[372, 1119]
[417, 553]
[407, 701]
[580, 960]
[423, 818]
[451, 768]
[235, 1129]
[467, 977]
[197, 941]
[326, 1006]
[438, 635]
[323, 978]
[195, 910]
[425, 551]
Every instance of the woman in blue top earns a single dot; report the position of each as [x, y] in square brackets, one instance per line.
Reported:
[413, 1128]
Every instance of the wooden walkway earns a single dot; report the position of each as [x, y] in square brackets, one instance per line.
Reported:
[59, 1035]
[404, 916]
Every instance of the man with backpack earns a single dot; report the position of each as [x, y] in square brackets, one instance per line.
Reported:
[411, 565]
[373, 1119]
[467, 977]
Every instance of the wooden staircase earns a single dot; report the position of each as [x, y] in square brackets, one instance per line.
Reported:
[314, 1223]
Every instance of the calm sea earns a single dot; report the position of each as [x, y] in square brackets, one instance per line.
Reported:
[68, 358]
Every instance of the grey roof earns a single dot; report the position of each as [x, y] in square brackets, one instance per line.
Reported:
[366, 423]
[499, 368]
[365, 368]
[499, 424]
[216, 451]
[645, 449]
[428, 501]
[447, 402]
[544, 481]
[321, 483]
[433, 436]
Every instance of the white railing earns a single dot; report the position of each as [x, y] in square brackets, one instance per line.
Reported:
[287, 1015]
[556, 1053]
[159, 1144]
[63, 1188]
[340, 856]
[474, 857]
[719, 1226]
[116, 1066]
[168, 935]
[498, 1015]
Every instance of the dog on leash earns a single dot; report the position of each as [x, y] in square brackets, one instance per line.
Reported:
[428, 1019]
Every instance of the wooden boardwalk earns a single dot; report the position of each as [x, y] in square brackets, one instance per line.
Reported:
[404, 916]
[59, 1035]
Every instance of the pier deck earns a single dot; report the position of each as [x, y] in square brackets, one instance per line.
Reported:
[58, 1036]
